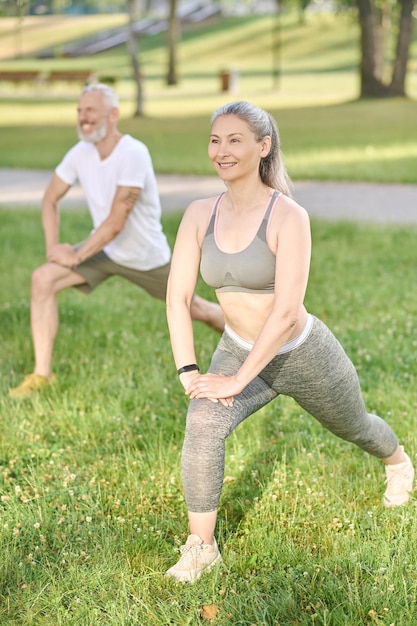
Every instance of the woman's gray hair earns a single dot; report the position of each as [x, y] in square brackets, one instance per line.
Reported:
[110, 96]
[271, 168]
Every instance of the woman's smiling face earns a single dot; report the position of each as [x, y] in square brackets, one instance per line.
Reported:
[233, 148]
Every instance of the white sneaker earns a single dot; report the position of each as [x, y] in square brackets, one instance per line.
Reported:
[196, 557]
[399, 481]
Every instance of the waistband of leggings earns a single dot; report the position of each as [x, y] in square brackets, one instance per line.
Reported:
[287, 347]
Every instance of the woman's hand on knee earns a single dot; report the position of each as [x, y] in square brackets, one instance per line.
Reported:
[213, 387]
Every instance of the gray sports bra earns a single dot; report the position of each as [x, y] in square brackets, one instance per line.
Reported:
[251, 270]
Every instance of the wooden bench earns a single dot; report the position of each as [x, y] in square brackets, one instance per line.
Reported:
[71, 76]
[19, 76]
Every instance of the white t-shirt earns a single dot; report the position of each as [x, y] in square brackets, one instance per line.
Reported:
[141, 244]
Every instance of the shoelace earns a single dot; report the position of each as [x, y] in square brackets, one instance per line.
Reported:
[190, 549]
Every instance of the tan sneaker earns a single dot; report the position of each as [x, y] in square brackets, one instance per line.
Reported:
[196, 558]
[399, 481]
[32, 382]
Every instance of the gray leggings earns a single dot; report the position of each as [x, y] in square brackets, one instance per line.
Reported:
[317, 374]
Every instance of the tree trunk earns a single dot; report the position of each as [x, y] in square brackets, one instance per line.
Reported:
[382, 21]
[375, 24]
[173, 38]
[405, 34]
[132, 48]
[371, 83]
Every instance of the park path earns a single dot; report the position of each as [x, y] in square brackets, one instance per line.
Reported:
[381, 203]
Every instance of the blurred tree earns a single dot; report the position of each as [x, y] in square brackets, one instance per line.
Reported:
[22, 7]
[381, 22]
[133, 52]
[173, 39]
[378, 20]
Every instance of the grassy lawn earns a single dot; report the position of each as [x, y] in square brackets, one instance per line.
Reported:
[26, 37]
[91, 500]
[326, 133]
[368, 141]
[91, 503]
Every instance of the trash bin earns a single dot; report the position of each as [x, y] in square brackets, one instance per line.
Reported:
[224, 80]
[229, 79]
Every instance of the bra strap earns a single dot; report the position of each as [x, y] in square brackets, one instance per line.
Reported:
[271, 204]
[210, 227]
[217, 203]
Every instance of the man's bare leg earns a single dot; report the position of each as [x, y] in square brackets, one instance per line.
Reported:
[47, 281]
[208, 312]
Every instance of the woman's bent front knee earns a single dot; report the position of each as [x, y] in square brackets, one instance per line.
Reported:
[207, 418]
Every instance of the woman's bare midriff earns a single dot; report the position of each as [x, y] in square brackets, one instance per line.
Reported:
[246, 313]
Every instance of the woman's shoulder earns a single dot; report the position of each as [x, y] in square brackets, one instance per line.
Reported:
[288, 207]
[197, 216]
[201, 208]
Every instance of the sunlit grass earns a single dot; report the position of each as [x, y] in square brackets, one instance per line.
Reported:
[91, 503]
[310, 87]
[366, 163]
[324, 47]
[24, 37]
[362, 141]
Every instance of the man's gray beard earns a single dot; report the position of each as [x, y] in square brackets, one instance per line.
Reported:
[95, 137]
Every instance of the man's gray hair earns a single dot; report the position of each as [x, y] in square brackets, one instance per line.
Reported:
[110, 96]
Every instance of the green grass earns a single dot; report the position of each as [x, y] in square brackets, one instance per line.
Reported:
[91, 504]
[25, 37]
[326, 133]
[361, 141]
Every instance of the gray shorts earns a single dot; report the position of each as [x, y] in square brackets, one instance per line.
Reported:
[99, 267]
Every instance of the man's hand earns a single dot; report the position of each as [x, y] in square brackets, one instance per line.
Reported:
[63, 254]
